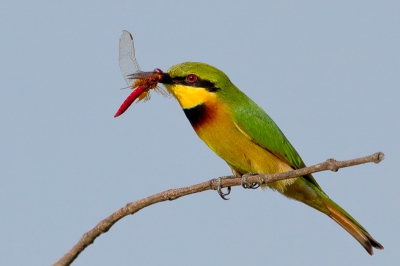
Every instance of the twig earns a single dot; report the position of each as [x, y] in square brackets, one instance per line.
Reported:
[172, 194]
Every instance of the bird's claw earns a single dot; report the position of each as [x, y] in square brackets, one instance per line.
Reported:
[219, 189]
[247, 185]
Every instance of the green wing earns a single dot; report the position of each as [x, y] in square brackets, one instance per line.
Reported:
[262, 130]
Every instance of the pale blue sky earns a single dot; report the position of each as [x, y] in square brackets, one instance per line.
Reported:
[327, 73]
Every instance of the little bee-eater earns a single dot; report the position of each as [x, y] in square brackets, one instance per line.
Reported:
[242, 134]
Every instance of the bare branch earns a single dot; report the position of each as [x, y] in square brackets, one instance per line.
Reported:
[230, 181]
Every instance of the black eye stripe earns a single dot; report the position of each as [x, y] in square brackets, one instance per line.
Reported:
[208, 85]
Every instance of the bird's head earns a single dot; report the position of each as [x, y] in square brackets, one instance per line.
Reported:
[193, 83]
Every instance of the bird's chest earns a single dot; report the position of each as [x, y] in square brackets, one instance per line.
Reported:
[214, 124]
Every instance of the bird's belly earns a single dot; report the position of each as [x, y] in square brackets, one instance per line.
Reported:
[241, 153]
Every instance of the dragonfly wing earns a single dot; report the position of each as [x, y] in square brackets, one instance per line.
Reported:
[127, 59]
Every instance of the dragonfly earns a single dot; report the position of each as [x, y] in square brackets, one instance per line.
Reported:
[141, 84]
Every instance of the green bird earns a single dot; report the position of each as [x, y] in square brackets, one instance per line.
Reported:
[242, 134]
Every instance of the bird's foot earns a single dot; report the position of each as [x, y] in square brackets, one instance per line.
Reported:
[247, 185]
[219, 188]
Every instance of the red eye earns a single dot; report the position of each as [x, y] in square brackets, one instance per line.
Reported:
[191, 78]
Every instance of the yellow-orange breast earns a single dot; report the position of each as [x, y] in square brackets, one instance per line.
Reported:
[214, 123]
[219, 132]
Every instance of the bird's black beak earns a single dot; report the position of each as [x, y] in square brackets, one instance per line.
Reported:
[166, 79]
